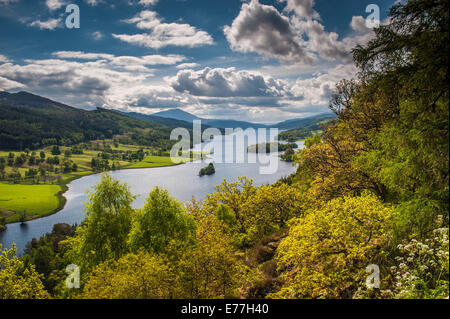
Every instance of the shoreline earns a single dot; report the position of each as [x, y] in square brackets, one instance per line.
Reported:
[64, 188]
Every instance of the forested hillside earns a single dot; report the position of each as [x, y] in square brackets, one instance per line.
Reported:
[30, 121]
[373, 189]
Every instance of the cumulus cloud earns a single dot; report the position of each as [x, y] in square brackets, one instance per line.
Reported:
[326, 44]
[3, 59]
[6, 84]
[262, 29]
[303, 8]
[317, 89]
[227, 83]
[160, 34]
[297, 38]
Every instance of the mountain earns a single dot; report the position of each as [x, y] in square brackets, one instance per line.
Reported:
[31, 121]
[177, 114]
[304, 122]
[156, 119]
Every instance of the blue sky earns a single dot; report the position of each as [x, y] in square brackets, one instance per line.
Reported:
[256, 60]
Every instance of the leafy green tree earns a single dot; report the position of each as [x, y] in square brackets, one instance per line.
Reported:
[327, 251]
[18, 281]
[133, 276]
[211, 269]
[56, 150]
[104, 233]
[161, 221]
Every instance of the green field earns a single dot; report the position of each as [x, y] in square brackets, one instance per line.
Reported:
[36, 200]
[155, 161]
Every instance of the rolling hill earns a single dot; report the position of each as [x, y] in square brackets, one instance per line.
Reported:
[31, 121]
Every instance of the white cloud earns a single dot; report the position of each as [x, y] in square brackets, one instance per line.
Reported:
[262, 29]
[326, 44]
[6, 84]
[227, 83]
[50, 24]
[187, 65]
[162, 34]
[3, 59]
[154, 59]
[317, 89]
[303, 8]
[148, 2]
[81, 55]
[53, 5]
[100, 79]
[297, 39]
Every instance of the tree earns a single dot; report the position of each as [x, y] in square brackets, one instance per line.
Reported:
[268, 210]
[327, 251]
[56, 150]
[161, 221]
[18, 281]
[103, 235]
[133, 276]
[210, 269]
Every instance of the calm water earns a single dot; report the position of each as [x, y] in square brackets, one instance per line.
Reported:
[181, 181]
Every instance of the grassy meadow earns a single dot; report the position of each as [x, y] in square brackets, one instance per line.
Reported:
[35, 200]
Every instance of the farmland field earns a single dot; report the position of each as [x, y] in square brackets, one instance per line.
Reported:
[35, 200]
[155, 161]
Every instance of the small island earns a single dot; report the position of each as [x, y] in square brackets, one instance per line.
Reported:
[208, 170]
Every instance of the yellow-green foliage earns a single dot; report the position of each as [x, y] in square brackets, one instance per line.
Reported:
[133, 276]
[211, 269]
[257, 211]
[268, 210]
[18, 281]
[327, 251]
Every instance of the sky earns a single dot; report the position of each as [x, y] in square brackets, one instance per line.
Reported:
[255, 60]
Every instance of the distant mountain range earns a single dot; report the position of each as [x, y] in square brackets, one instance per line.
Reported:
[177, 114]
[181, 115]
